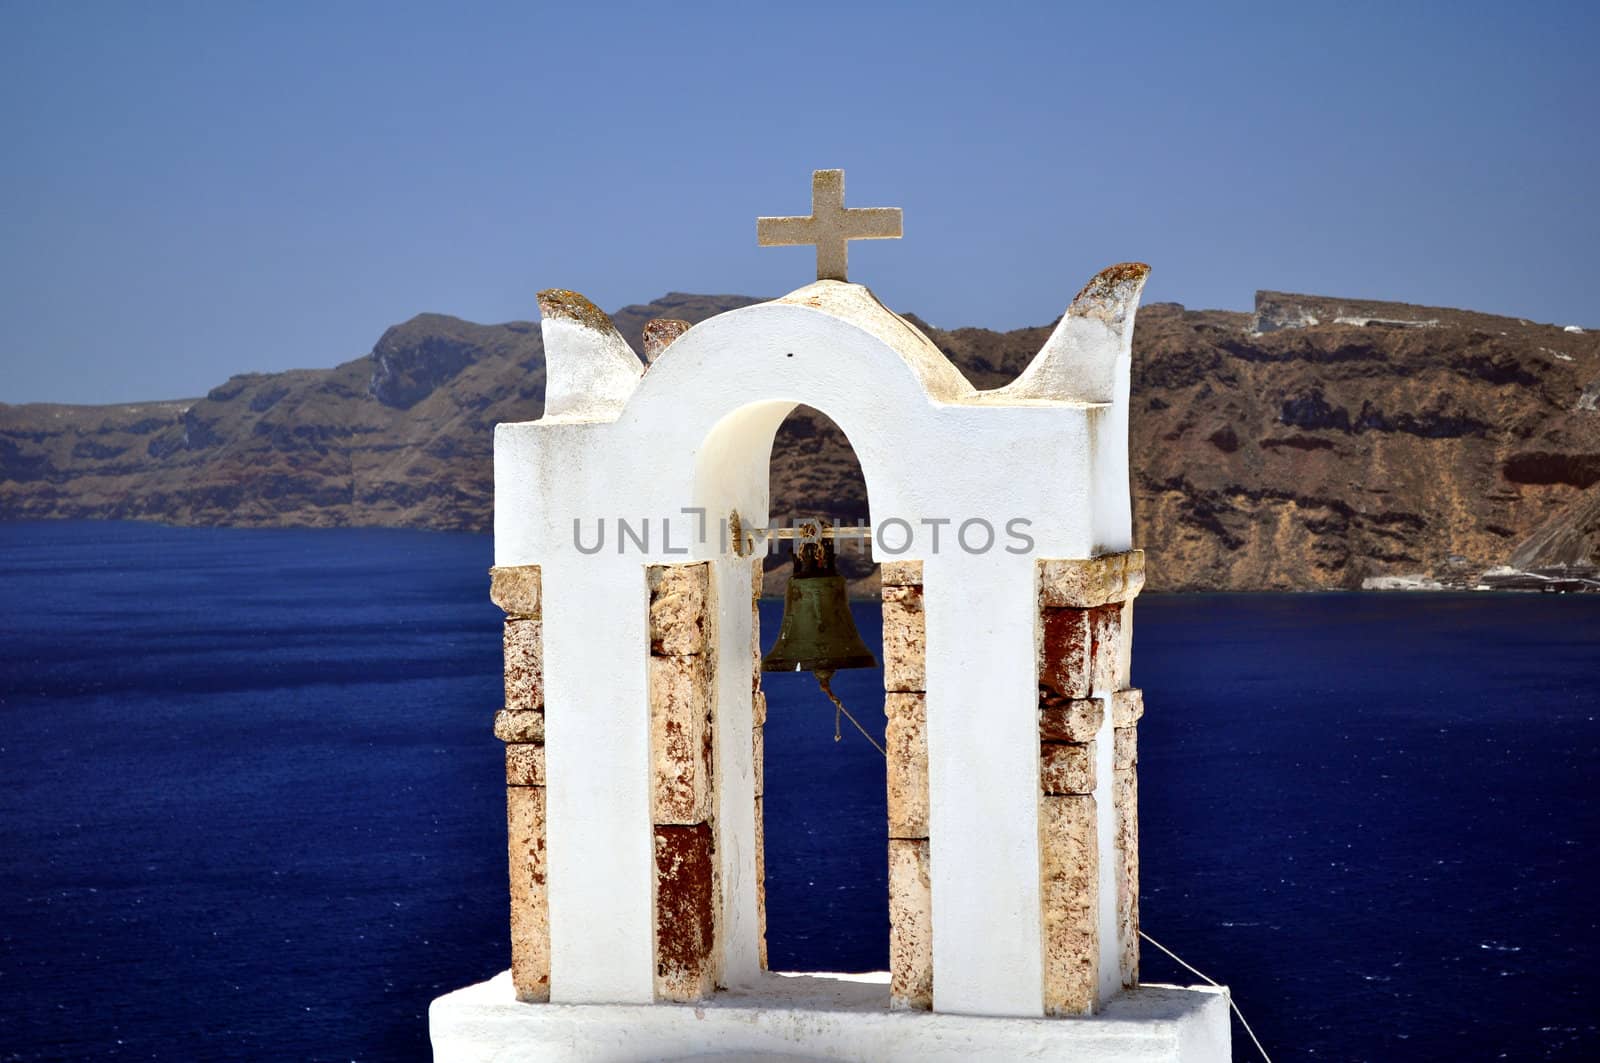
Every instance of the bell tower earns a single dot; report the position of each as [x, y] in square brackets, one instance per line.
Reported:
[626, 520]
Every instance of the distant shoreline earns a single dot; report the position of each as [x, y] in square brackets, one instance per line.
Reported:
[863, 587]
[1317, 443]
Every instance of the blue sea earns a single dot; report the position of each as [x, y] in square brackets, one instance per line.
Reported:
[250, 805]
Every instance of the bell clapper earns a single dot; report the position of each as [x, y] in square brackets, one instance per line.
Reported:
[823, 677]
[824, 680]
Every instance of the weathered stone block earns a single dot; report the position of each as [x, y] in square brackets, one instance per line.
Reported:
[1069, 719]
[519, 725]
[1069, 866]
[759, 742]
[530, 912]
[685, 912]
[678, 608]
[1065, 653]
[906, 739]
[517, 591]
[1127, 707]
[680, 738]
[755, 644]
[1125, 753]
[904, 639]
[1079, 650]
[659, 334]
[523, 645]
[910, 925]
[901, 573]
[524, 764]
[1086, 583]
[1066, 768]
[1105, 636]
[761, 881]
[1125, 793]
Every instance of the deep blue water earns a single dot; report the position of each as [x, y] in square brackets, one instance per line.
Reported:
[250, 806]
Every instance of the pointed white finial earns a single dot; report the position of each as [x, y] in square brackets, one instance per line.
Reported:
[590, 371]
[1079, 360]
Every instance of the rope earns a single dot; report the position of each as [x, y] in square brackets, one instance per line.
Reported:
[1219, 985]
[823, 679]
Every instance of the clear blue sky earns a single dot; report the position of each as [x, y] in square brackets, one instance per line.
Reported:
[193, 190]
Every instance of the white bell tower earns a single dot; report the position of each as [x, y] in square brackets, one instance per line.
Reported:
[634, 711]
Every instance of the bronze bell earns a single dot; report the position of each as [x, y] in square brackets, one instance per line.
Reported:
[817, 633]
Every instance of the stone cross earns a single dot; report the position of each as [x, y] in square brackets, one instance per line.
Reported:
[830, 226]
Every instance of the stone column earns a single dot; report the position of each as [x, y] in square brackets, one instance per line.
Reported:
[906, 740]
[682, 784]
[1083, 710]
[1127, 706]
[520, 725]
[759, 718]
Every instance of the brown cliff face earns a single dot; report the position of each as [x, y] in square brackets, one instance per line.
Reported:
[1313, 444]
[401, 437]
[1320, 455]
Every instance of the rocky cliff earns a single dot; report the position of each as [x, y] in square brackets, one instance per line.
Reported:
[1314, 443]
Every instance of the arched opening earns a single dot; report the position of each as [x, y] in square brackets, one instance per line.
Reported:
[814, 472]
[824, 806]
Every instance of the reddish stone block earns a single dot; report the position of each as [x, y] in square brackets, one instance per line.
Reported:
[1066, 652]
[685, 912]
[1079, 650]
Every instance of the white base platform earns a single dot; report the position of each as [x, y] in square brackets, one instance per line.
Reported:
[819, 1017]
